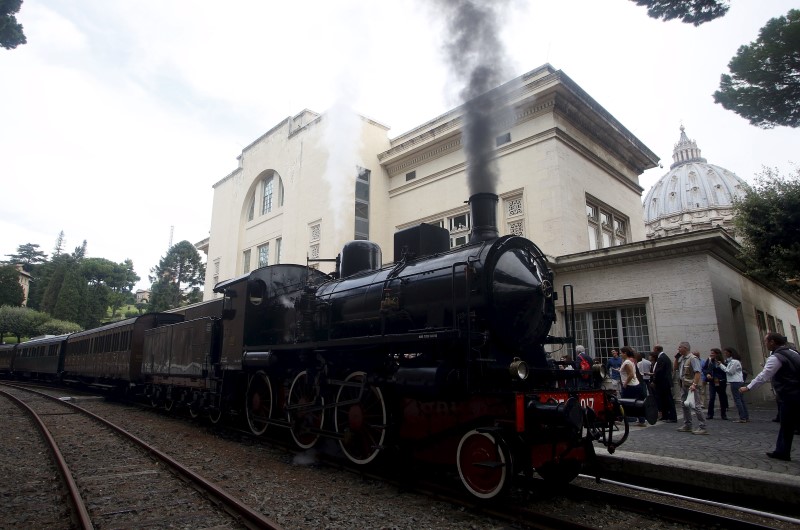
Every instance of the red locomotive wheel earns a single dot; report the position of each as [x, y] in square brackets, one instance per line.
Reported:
[303, 392]
[258, 402]
[484, 464]
[361, 421]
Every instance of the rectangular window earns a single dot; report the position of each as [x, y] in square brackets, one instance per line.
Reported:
[246, 261]
[314, 232]
[771, 323]
[502, 139]
[762, 331]
[263, 255]
[458, 241]
[268, 191]
[411, 175]
[600, 331]
[459, 222]
[605, 228]
[794, 336]
[779, 328]
[215, 277]
[279, 250]
[361, 229]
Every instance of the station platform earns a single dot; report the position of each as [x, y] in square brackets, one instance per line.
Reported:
[728, 463]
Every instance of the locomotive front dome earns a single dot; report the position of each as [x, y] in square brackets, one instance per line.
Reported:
[519, 288]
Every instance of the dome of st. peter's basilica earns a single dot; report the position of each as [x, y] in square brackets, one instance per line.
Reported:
[694, 195]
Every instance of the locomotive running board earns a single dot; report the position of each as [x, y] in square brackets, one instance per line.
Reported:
[432, 334]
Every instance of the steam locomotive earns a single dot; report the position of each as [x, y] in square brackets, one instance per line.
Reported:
[439, 356]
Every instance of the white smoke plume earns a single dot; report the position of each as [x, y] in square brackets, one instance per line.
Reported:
[343, 126]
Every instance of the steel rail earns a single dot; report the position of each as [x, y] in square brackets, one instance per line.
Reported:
[249, 517]
[697, 500]
[79, 508]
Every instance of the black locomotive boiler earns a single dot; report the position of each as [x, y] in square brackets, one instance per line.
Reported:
[439, 356]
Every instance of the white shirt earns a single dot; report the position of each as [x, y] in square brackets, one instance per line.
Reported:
[734, 371]
[644, 369]
[771, 367]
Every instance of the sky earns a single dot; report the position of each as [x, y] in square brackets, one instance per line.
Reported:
[117, 117]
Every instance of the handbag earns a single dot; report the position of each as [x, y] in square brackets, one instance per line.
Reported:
[689, 403]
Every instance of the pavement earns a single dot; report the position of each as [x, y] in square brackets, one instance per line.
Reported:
[729, 462]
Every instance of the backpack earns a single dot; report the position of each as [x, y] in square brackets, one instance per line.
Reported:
[584, 365]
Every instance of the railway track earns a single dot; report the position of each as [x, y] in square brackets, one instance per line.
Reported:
[117, 480]
[530, 506]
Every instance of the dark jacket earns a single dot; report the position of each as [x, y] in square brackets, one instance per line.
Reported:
[662, 371]
[786, 381]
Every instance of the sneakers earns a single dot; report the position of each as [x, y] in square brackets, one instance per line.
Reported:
[685, 428]
[739, 421]
[640, 424]
[699, 431]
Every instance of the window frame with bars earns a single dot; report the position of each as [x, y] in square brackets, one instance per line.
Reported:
[599, 341]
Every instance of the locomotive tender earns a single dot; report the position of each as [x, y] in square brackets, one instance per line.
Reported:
[438, 357]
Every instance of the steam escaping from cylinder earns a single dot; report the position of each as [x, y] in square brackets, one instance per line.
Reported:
[478, 59]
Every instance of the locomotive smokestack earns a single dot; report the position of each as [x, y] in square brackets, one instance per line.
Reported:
[484, 217]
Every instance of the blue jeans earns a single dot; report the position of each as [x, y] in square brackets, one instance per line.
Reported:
[739, 400]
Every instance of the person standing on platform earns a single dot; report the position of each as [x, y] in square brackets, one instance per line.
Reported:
[717, 384]
[614, 364]
[643, 363]
[662, 380]
[733, 369]
[583, 362]
[783, 369]
[631, 385]
[690, 371]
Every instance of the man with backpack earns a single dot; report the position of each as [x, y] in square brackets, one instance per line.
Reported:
[783, 369]
[583, 363]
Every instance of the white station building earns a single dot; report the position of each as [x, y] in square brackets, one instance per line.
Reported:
[643, 274]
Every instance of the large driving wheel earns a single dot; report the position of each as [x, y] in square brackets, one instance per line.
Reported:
[258, 402]
[361, 423]
[303, 393]
[169, 403]
[215, 411]
[484, 464]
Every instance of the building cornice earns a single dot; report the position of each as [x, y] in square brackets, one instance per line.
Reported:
[716, 242]
[538, 92]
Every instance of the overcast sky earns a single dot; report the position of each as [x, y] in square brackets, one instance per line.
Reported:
[117, 117]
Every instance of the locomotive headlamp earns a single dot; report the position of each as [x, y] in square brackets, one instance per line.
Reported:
[518, 369]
